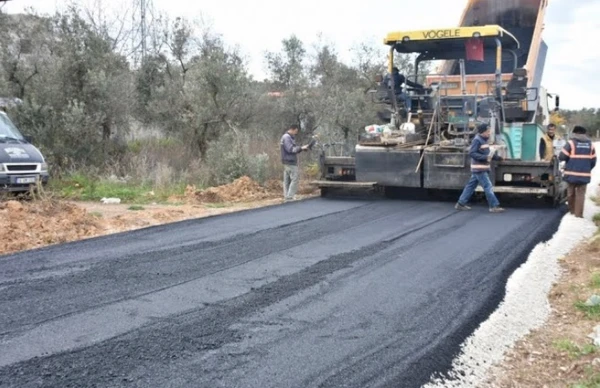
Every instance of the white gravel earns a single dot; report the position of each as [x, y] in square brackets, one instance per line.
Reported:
[525, 306]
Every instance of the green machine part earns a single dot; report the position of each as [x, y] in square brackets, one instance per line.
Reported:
[532, 134]
[522, 140]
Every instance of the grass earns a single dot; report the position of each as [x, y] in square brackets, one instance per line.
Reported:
[595, 282]
[84, 188]
[592, 312]
[566, 346]
[591, 381]
[216, 205]
[595, 242]
[574, 350]
[596, 219]
[135, 208]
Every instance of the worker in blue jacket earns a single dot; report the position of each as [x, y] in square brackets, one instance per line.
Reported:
[399, 79]
[579, 156]
[480, 171]
[289, 159]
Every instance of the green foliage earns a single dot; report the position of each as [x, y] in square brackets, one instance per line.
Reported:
[88, 188]
[592, 312]
[85, 187]
[588, 117]
[75, 88]
[189, 113]
[574, 350]
[229, 159]
[595, 282]
[216, 205]
[136, 146]
[592, 379]
[596, 219]
[193, 87]
[287, 68]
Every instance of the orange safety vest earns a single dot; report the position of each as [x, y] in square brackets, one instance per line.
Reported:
[549, 153]
[581, 158]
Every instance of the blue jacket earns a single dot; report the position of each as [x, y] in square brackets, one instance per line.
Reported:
[289, 150]
[580, 157]
[479, 152]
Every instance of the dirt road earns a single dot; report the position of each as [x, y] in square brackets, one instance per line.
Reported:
[318, 293]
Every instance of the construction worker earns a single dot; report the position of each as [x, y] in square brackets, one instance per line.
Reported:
[399, 79]
[579, 156]
[480, 171]
[289, 158]
[547, 143]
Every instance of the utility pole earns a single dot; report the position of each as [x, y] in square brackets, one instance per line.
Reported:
[141, 16]
[143, 29]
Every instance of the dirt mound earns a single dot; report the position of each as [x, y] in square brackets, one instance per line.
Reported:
[274, 186]
[26, 225]
[33, 224]
[243, 189]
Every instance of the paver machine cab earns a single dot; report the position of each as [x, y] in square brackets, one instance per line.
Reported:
[490, 72]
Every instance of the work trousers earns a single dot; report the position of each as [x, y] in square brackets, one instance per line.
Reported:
[479, 178]
[576, 199]
[290, 181]
[406, 98]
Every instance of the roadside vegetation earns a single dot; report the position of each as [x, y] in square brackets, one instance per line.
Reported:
[189, 113]
[565, 352]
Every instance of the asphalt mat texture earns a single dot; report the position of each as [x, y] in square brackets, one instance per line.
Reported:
[315, 293]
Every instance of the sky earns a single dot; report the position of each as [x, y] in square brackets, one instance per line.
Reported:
[259, 26]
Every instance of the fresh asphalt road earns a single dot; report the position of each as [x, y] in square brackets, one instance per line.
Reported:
[318, 293]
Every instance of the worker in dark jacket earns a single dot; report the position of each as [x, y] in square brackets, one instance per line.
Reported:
[289, 158]
[547, 143]
[399, 79]
[480, 169]
[580, 157]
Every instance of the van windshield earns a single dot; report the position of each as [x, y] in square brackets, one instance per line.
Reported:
[8, 129]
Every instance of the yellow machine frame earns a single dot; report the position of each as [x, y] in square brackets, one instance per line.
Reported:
[445, 39]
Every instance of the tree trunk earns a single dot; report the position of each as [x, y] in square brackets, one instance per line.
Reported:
[201, 143]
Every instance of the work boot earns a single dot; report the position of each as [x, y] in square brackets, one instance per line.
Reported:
[458, 206]
[496, 209]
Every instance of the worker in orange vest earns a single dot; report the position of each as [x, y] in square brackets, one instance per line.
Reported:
[579, 156]
[547, 143]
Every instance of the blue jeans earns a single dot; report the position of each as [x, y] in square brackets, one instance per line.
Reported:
[406, 98]
[483, 179]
